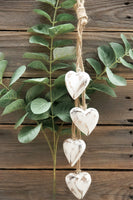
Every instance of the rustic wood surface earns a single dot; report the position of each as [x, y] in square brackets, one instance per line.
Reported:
[37, 184]
[26, 170]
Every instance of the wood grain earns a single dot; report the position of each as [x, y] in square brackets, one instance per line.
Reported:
[37, 185]
[104, 15]
[15, 44]
[107, 148]
[112, 110]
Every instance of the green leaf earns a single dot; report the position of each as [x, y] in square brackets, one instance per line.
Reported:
[60, 81]
[95, 64]
[17, 74]
[62, 111]
[126, 64]
[103, 88]
[15, 105]
[61, 29]
[2, 56]
[43, 13]
[106, 55]
[64, 53]
[37, 80]
[60, 43]
[66, 131]
[28, 133]
[40, 105]
[118, 49]
[131, 53]
[56, 93]
[126, 43]
[50, 2]
[65, 17]
[38, 40]
[40, 56]
[3, 91]
[10, 96]
[36, 117]
[68, 4]
[116, 80]
[34, 92]
[37, 64]
[60, 66]
[41, 29]
[3, 65]
[20, 121]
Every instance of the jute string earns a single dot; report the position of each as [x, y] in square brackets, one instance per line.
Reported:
[82, 21]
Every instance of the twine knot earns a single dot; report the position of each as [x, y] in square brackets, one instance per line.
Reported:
[81, 13]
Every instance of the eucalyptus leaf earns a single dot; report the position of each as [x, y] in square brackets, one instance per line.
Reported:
[66, 131]
[15, 105]
[118, 49]
[61, 29]
[33, 116]
[60, 81]
[40, 105]
[39, 40]
[50, 2]
[3, 91]
[41, 29]
[10, 96]
[17, 74]
[116, 80]
[60, 43]
[20, 121]
[56, 93]
[62, 111]
[43, 13]
[34, 92]
[126, 64]
[2, 56]
[3, 65]
[40, 56]
[126, 43]
[65, 53]
[106, 55]
[65, 17]
[68, 4]
[103, 88]
[58, 66]
[37, 80]
[131, 53]
[37, 64]
[28, 133]
[95, 64]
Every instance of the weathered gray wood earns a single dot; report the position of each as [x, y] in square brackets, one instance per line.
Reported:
[38, 185]
[15, 44]
[107, 148]
[104, 15]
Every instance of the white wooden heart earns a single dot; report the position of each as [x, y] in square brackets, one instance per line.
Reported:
[85, 120]
[73, 150]
[78, 183]
[76, 83]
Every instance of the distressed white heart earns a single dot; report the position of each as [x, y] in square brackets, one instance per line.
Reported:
[85, 120]
[73, 150]
[78, 183]
[76, 83]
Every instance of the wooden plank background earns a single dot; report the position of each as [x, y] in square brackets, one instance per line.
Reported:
[26, 170]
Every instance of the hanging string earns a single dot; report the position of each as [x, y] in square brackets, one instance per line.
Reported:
[82, 21]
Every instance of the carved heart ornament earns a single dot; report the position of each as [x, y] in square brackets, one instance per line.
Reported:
[76, 83]
[78, 183]
[73, 150]
[85, 120]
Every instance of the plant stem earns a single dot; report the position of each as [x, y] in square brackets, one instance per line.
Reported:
[4, 86]
[55, 143]
[100, 75]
